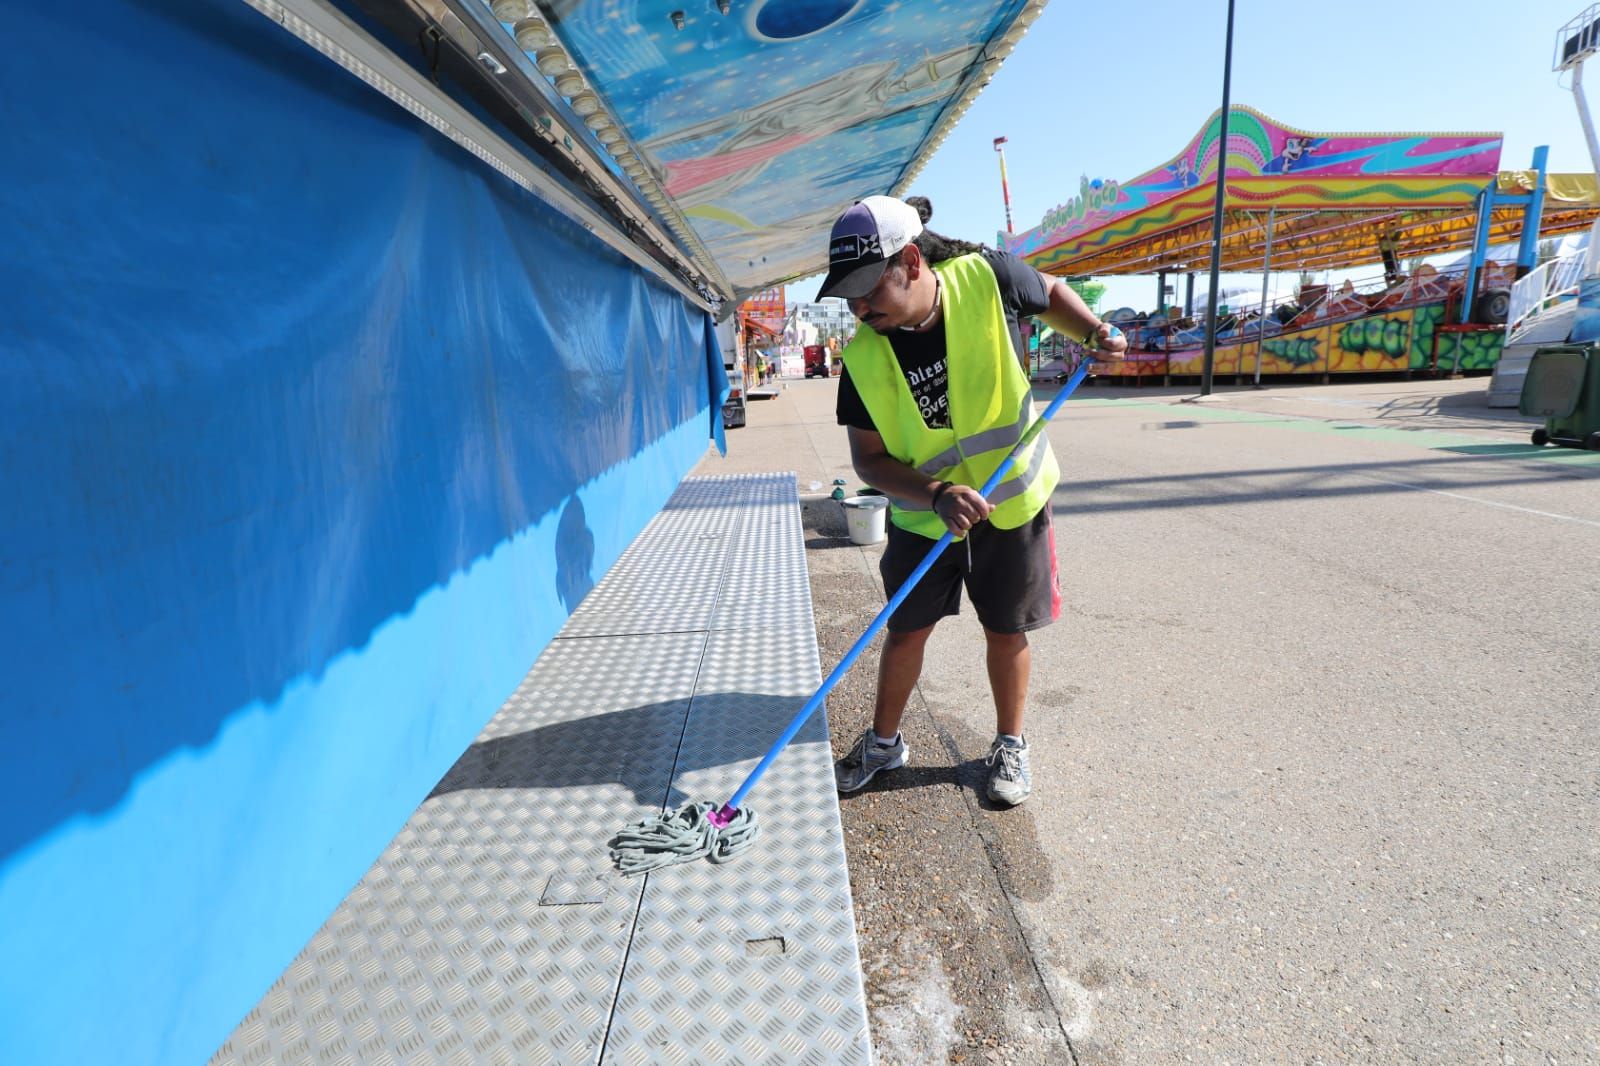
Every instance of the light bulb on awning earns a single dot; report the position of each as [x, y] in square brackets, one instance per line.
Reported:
[511, 10]
[552, 61]
[531, 34]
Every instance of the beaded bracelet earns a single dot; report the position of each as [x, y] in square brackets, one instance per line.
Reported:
[934, 503]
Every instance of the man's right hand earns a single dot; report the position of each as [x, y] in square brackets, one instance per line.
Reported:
[962, 507]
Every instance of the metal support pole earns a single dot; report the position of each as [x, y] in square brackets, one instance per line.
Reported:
[1188, 294]
[1266, 279]
[1161, 291]
[1216, 216]
[1583, 116]
[1480, 248]
[1533, 215]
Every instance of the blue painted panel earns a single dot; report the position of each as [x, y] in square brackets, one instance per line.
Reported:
[312, 433]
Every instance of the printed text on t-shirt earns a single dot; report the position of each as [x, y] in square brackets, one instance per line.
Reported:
[929, 387]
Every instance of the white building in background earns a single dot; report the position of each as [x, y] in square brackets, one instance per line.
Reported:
[809, 323]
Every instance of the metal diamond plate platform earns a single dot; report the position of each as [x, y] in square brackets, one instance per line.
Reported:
[492, 929]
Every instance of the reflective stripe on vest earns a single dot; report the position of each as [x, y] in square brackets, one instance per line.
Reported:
[984, 441]
[1011, 487]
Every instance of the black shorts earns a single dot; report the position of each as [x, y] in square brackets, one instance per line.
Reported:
[1011, 577]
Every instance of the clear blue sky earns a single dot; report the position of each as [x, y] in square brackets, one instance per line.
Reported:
[1109, 91]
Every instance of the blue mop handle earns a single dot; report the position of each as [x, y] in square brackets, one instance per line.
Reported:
[900, 594]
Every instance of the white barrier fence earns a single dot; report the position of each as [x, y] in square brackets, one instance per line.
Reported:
[1541, 289]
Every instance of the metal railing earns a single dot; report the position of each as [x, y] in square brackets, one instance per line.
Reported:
[1578, 39]
[1544, 288]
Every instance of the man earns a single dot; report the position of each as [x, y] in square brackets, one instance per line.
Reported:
[934, 396]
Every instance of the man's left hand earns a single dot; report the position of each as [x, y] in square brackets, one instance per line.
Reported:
[1107, 340]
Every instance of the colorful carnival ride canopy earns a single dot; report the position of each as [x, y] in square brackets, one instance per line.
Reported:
[1335, 200]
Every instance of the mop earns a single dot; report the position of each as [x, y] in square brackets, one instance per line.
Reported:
[704, 830]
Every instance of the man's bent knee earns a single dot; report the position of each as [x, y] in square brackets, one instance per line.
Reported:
[910, 638]
[1005, 640]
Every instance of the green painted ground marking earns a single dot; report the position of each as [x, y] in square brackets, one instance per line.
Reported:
[1416, 438]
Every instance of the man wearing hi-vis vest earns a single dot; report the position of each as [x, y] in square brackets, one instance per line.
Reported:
[935, 395]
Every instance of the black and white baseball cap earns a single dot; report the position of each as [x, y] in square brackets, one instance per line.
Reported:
[863, 241]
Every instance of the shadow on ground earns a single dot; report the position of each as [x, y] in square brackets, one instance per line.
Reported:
[641, 748]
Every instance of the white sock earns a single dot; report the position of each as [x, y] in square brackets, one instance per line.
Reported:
[1010, 740]
[887, 742]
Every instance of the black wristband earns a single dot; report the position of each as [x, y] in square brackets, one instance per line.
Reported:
[934, 503]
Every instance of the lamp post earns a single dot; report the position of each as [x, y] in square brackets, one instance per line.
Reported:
[1216, 216]
[1005, 189]
[1005, 194]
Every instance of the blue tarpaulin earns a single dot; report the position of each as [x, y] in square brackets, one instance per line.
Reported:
[313, 430]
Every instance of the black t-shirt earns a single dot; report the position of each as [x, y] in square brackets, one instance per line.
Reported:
[1023, 292]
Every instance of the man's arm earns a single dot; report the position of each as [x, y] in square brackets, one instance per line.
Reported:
[961, 506]
[1071, 317]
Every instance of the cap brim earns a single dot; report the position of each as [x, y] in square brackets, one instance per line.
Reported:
[851, 282]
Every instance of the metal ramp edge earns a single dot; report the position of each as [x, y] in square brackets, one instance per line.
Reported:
[492, 929]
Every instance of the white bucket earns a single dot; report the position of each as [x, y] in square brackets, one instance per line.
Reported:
[865, 516]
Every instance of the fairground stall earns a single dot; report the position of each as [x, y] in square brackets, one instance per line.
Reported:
[1299, 205]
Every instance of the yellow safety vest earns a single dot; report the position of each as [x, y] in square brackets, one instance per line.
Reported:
[991, 404]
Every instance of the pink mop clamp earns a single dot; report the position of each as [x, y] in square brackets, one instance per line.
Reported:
[721, 833]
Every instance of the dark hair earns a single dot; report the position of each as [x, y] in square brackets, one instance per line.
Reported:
[936, 247]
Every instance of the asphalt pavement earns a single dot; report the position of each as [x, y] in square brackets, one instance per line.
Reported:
[1316, 743]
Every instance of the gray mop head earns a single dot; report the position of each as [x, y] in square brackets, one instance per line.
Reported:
[698, 830]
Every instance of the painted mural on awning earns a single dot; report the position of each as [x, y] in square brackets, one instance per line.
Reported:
[1269, 165]
[764, 123]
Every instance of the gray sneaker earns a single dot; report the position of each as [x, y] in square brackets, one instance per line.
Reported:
[1010, 780]
[867, 758]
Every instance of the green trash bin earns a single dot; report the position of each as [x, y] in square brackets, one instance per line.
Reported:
[1562, 386]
